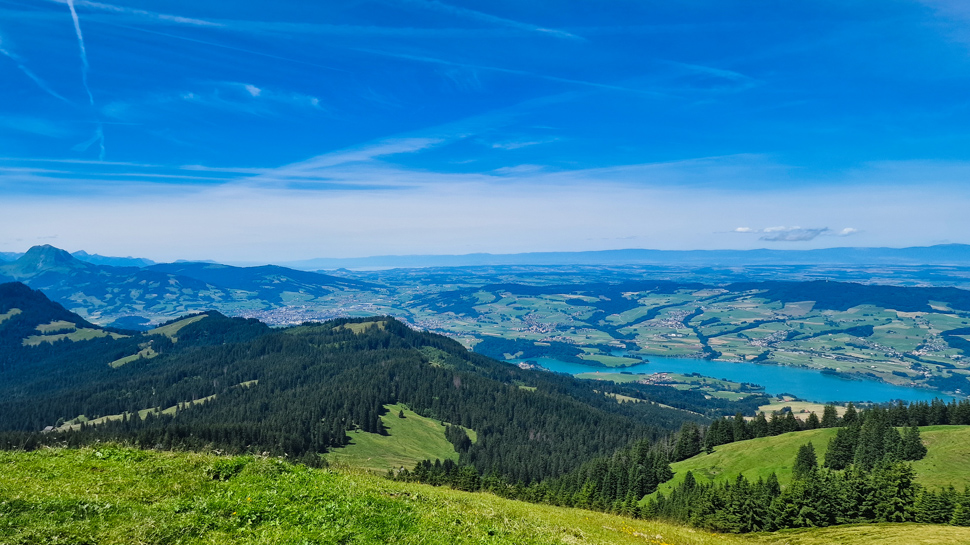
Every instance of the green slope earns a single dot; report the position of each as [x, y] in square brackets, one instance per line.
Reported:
[408, 441]
[945, 462]
[114, 496]
[119, 496]
[948, 450]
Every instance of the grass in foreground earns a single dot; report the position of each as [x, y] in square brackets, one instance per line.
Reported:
[121, 496]
[869, 534]
[113, 496]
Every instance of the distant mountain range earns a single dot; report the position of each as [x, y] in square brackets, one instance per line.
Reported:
[91, 258]
[943, 254]
[134, 293]
[140, 295]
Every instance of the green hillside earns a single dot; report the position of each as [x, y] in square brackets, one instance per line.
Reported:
[117, 496]
[944, 464]
[408, 441]
[314, 389]
[122, 496]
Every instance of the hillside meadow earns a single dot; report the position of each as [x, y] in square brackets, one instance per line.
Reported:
[112, 495]
[948, 449]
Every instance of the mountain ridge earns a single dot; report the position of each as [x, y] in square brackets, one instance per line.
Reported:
[941, 254]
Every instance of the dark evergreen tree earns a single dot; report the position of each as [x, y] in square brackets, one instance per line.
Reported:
[741, 431]
[961, 511]
[830, 417]
[812, 422]
[842, 447]
[912, 447]
[850, 415]
[759, 426]
[805, 462]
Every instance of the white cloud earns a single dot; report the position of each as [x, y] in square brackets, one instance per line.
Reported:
[253, 90]
[361, 201]
[795, 234]
[516, 144]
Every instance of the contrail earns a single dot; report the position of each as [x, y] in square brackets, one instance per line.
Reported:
[99, 132]
[40, 83]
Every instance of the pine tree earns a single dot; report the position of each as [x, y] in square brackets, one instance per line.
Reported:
[830, 417]
[850, 415]
[912, 447]
[710, 438]
[741, 431]
[871, 447]
[961, 512]
[812, 423]
[805, 462]
[842, 448]
[776, 426]
[759, 426]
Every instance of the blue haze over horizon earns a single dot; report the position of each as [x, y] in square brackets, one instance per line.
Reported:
[254, 132]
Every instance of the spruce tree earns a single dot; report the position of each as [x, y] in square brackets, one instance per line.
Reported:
[961, 512]
[871, 447]
[830, 417]
[741, 431]
[850, 415]
[912, 447]
[759, 426]
[805, 462]
[841, 449]
[776, 425]
[812, 423]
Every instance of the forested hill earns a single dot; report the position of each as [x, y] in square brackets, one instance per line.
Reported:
[209, 380]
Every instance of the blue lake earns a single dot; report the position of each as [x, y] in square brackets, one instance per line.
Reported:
[807, 384]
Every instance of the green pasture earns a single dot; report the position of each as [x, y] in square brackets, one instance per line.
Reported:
[945, 462]
[408, 441]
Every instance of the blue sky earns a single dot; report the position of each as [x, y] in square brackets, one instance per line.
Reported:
[255, 131]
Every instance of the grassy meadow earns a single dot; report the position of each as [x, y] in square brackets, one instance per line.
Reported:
[120, 496]
[409, 440]
[113, 496]
[945, 462]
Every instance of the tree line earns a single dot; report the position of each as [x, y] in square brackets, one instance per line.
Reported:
[865, 477]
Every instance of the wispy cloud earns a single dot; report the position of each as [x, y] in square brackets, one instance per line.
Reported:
[443, 62]
[795, 234]
[229, 96]
[163, 17]
[313, 28]
[713, 78]
[321, 167]
[85, 68]
[516, 144]
[36, 79]
[247, 97]
[229, 47]
[467, 13]
[35, 125]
